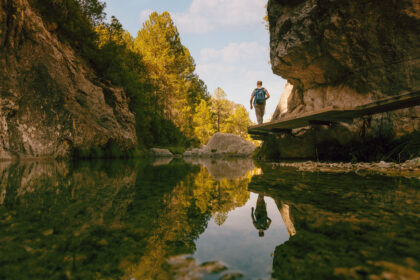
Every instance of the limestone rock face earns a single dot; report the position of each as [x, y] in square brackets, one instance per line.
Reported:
[369, 45]
[50, 101]
[344, 54]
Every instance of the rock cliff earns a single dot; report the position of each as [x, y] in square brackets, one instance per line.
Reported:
[344, 53]
[51, 102]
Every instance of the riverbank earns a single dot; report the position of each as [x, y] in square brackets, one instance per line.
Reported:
[410, 168]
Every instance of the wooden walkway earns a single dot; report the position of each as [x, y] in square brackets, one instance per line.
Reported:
[333, 114]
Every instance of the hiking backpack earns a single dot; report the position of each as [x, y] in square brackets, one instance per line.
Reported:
[260, 96]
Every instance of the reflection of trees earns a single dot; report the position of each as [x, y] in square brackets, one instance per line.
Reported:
[106, 219]
[85, 221]
[187, 208]
[347, 226]
[219, 197]
[175, 228]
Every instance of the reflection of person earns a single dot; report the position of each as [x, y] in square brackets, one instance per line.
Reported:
[260, 219]
[259, 96]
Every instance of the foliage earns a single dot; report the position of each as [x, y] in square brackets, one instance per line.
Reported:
[75, 21]
[177, 88]
[219, 197]
[203, 122]
[170, 102]
[220, 115]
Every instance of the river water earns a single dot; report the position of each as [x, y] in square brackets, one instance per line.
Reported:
[203, 219]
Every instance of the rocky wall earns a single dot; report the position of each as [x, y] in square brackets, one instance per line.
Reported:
[51, 102]
[345, 54]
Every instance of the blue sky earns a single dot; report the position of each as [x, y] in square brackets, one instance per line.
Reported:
[227, 39]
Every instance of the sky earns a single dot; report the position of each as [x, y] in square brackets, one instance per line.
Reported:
[227, 39]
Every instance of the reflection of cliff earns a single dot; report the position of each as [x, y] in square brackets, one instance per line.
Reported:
[106, 219]
[285, 215]
[346, 225]
[344, 54]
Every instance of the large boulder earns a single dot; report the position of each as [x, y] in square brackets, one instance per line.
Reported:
[222, 145]
[161, 152]
[51, 101]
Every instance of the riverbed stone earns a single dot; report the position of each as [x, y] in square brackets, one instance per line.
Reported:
[413, 163]
[187, 268]
[410, 168]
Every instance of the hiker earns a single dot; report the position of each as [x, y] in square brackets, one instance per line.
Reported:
[260, 219]
[259, 96]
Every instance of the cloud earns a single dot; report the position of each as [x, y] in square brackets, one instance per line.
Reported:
[236, 62]
[144, 15]
[235, 53]
[207, 15]
[236, 68]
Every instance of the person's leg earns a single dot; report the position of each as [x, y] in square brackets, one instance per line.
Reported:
[262, 113]
[258, 113]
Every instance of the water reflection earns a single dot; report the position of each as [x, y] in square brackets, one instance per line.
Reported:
[179, 220]
[221, 169]
[285, 215]
[259, 218]
[344, 226]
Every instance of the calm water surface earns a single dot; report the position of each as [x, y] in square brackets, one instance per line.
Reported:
[202, 219]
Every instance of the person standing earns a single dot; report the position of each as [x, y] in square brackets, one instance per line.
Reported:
[258, 100]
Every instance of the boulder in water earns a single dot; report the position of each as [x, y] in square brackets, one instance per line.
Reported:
[224, 144]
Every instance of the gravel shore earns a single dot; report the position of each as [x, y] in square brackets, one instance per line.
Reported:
[410, 168]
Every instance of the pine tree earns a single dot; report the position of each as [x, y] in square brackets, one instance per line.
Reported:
[171, 67]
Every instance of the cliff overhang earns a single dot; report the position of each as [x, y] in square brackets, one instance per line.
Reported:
[344, 54]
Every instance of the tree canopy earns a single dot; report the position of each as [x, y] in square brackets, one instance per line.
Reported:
[171, 103]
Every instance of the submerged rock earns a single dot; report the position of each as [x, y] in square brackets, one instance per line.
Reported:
[186, 268]
[224, 144]
[232, 276]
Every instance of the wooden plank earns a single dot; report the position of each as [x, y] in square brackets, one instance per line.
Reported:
[334, 114]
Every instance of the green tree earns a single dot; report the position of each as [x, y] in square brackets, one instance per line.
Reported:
[178, 90]
[221, 107]
[229, 117]
[203, 122]
[238, 122]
